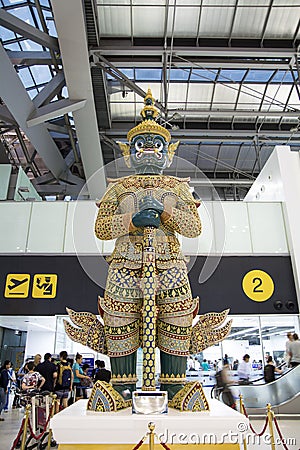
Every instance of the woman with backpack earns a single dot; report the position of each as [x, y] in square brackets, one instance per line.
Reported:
[64, 380]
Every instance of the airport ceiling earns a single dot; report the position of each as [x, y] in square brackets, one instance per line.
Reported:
[225, 74]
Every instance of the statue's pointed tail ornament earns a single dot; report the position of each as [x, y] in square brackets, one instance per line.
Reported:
[208, 331]
[89, 330]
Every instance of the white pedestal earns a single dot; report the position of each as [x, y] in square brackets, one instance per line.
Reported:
[76, 425]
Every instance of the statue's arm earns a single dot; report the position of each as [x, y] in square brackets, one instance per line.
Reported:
[183, 217]
[110, 224]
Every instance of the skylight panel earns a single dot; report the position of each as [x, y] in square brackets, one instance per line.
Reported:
[258, 76]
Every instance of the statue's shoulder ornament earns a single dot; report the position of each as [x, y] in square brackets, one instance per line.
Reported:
[148, 181]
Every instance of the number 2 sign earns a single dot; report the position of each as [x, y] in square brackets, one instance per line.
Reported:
[258, 285]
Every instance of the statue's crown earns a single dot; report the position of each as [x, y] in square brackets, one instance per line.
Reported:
[149, 124]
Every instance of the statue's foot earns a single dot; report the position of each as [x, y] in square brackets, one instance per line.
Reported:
[190, 398]
[172, 389]
[104, 398]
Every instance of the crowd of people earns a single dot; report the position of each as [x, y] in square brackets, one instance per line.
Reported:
[67, 378]
[70, 379]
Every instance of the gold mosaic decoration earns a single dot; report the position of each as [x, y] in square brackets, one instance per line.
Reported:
[190, 398]
[206, 332]
[149, 125]
[90, 331]
[172, 379]
[104, 398]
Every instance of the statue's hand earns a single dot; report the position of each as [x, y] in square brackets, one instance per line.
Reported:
[146, 218]
[149, 202]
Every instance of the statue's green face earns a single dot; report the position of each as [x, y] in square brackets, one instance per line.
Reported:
[149, 154]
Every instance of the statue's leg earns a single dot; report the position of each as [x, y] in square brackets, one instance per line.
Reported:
[123, 374]
[121, 314]
[171, 365]
[174, 326]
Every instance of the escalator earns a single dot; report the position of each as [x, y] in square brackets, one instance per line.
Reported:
[283, 394]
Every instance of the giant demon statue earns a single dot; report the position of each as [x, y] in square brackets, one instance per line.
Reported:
[148, 301]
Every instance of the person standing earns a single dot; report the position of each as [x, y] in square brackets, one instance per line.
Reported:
[96, 369]
[64, 383]
[287, 356]
[32, 379]
[78, 376]
[269, 370]
[205, 366]
[103, 374]
[244, 370]
[49, 371]
[295, 351]
[4, 380]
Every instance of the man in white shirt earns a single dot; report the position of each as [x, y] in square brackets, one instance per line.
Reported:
[244, 370]
[295, 351]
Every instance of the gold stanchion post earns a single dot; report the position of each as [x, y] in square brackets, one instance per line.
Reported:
[24, 435]
[270, 415]
[242, 412]
[151, 427]
[53, 407]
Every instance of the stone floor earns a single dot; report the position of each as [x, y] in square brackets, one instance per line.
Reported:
[290, 430]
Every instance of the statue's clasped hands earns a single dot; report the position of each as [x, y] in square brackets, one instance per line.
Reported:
[149, 213]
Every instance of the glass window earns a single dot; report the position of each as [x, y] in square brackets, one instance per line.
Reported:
[41, 74]
[6, 34]
[231, 75]
[24, 14]
[25, 77]
[284, 76]
[179, 74]
[148, 74]
[30, 45]
[201, 75]
[129, 73]
[244, 339]
[274, 335]
[15, 46]
[258, 76]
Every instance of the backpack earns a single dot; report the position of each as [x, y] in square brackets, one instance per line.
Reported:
[64, 376]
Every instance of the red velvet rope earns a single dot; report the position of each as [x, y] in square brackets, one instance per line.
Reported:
[251, 427]
[138, 444]
[165, 446]
[37, 437]
[280, 434]
[18, 435]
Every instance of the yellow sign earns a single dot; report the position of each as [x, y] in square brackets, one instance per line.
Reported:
[17, 285]
[44, 285]
[258, 285]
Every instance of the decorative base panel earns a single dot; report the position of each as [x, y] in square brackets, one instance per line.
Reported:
[75, 428]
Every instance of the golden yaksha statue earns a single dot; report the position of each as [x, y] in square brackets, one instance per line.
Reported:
[148, 301]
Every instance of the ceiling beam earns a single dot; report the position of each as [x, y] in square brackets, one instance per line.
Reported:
[216, 135]
[121, 48]
[31, 58]
[233, 113]
[75, 57]
[54, 110]
[6, 116]
[51, 89]
[20, 106]
[16, 25]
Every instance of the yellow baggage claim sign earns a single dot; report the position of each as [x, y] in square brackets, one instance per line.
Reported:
[46, 284]
[18, 285]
